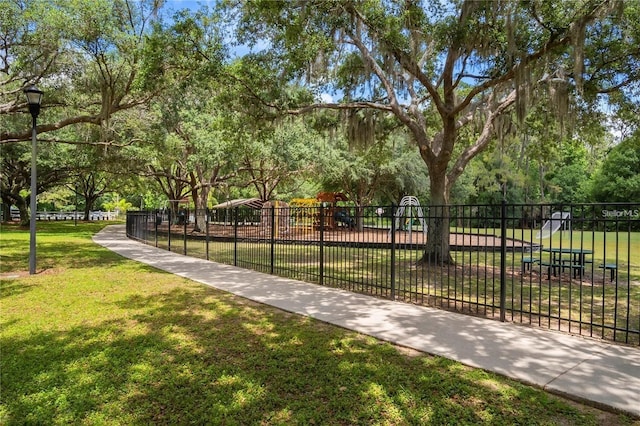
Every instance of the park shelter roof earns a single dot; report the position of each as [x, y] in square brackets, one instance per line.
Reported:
[254, 203]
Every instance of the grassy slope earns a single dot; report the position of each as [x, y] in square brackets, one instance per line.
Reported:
[97, 339]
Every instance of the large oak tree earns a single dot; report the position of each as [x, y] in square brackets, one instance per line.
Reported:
[86, 56]
[469, 62]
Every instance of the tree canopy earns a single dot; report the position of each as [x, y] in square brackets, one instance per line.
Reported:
[485, 100]
[442, 67]
[618, 179]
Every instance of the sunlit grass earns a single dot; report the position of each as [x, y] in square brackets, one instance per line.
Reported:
[610, 247]
[97, 339]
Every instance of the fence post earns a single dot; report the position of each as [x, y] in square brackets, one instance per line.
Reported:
[235, 236]
[147, 231]
[169, 231]
[273, 238]
[156, 228]
[321, 224]
[503, 259]
[206, 238]
[184, 231]
[393, 252]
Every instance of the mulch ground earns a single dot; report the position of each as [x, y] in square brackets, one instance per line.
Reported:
[343, 234]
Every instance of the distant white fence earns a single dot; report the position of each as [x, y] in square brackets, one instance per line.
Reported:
[96, 215]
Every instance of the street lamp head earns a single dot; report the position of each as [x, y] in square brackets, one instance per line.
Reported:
[34, 97]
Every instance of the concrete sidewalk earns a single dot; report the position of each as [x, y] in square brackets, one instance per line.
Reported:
[604, 374]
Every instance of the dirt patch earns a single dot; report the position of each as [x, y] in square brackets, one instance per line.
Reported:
[345, 235]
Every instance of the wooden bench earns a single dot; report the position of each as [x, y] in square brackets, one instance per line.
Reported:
[612, 268]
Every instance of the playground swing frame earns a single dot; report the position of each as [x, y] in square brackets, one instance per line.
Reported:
[408, 204]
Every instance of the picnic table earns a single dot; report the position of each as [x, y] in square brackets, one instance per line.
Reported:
[561, 258]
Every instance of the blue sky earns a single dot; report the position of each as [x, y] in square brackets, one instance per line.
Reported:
[189, 4]
[239, 50]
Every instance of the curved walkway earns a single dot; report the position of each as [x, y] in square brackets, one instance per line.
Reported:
[599, 373]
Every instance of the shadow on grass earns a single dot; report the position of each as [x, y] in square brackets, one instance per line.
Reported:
[195, 355]
[77, 255]
[10, 287]
[50, 255]
[58, 244]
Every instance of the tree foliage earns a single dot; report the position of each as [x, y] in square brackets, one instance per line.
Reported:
[470, 62]
[454, 101]
[86, 61]
[618, 179]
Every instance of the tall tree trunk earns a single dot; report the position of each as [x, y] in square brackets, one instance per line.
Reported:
[174, 206]
[200, 199]
[22, 206]
[437, 155]
[201, 187]
[437, 247]
[90, 199]
[12, 196]
[359, 218]
[6, 211]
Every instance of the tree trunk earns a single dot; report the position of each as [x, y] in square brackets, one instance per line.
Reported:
[438, 217]
[6, 212]
[22, 206]
[89, 202]
[359, 218]
[437, 247]
[200, 200]
[174, 207]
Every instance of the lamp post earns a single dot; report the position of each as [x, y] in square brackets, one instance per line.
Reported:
[34, 97]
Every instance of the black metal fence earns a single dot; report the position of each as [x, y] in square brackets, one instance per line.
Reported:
[571, 268]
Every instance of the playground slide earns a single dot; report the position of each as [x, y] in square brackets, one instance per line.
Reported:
[551, 226]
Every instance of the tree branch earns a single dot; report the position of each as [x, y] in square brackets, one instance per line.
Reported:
[340, 106]
[483, 139]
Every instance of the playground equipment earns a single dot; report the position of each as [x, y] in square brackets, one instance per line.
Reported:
[180, 210]
[408, 205]
[333, 214]
[558, 219]
[281, 216]
[331, 197]
[227, 207]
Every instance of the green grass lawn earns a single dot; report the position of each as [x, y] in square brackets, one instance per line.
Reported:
[608, 247]
[94, 338]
